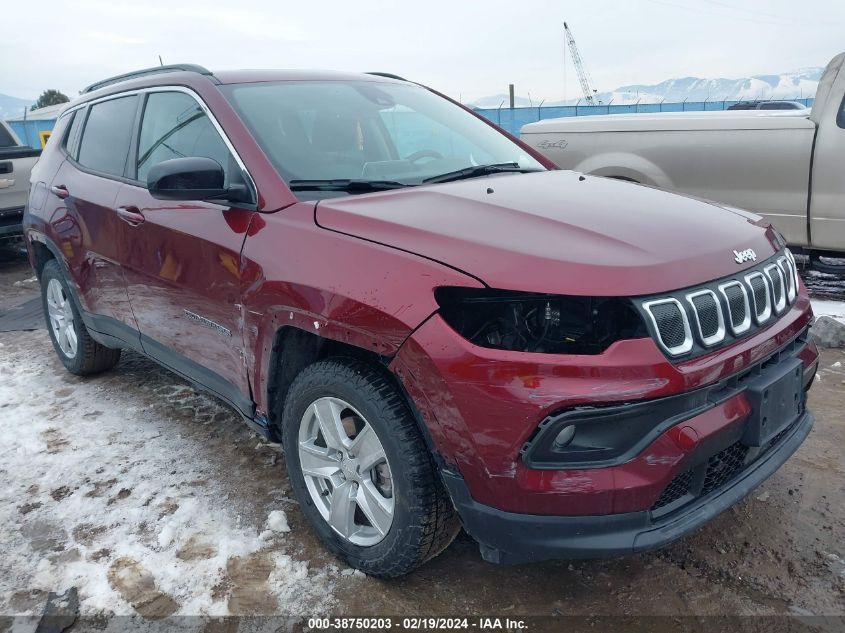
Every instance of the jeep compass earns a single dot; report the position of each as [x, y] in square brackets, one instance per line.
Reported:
[440, 328]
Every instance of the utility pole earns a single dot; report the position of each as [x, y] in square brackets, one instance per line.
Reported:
[510, 91]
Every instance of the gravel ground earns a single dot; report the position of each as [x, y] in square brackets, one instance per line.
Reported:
[151, 498]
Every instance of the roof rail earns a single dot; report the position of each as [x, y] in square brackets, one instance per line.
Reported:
[388, 75]
[147, 71]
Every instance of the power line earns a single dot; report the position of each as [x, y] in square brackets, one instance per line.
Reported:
[745, 10]
[771, 18]
[785, 23]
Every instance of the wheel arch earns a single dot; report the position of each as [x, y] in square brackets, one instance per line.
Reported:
[625, 166]
[41, 250]
[293, 349]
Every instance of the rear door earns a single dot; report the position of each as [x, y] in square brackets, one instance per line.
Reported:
[84, 221]
[182, 260]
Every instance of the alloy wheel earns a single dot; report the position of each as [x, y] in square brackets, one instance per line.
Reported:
[346, 471]
[60, 313]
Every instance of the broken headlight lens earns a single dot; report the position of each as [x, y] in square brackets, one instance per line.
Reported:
[530, 322]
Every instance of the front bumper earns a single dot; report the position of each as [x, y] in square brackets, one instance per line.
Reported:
[508, 537]
[481, 408]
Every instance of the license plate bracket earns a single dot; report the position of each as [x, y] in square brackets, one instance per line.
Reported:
[777, 399]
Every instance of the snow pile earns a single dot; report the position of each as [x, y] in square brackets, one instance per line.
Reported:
[100, 494]
[833, 309]
[278, 521]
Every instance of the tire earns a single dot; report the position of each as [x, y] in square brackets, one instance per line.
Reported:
[424, 521]
[87, 357]
[824, 264]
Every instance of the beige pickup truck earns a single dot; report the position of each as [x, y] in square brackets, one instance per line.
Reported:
[787, 166]
[16, 162]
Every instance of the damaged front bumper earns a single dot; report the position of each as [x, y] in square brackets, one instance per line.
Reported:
[510, 538]
[700, 439]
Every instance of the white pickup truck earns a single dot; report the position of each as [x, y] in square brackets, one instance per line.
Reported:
[16, 162]
[787, 166]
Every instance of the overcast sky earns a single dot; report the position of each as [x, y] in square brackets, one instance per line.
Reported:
[467, 49]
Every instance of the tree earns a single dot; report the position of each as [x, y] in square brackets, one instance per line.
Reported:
[50, 97]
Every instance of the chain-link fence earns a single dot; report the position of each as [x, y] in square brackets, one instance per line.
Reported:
[512, 119]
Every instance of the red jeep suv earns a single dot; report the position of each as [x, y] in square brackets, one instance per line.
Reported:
[440, 328]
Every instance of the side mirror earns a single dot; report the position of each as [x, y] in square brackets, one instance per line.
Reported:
[192, 178]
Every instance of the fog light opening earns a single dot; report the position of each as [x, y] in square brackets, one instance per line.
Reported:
[564, 437]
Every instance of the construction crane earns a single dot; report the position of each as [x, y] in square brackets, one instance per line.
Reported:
[583, 77]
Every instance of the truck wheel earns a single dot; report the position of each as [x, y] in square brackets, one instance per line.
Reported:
[360, 470]
[79, 353]
[828, 265]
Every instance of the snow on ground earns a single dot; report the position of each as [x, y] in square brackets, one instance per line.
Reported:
[108, 498]
[826, 307]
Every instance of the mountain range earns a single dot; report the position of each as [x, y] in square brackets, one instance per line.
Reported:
[10, 106]
[791, 85]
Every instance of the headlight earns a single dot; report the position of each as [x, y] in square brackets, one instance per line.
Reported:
[529, 322]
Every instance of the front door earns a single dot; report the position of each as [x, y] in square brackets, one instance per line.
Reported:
[181, 260]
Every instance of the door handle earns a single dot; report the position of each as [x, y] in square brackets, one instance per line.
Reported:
[60, 191]
[131, 215]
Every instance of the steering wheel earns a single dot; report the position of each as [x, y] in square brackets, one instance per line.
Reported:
[424, 153]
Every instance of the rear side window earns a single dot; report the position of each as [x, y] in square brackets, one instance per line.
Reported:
[175, 126]
[6, 139]
[73, 130]
[105, 139]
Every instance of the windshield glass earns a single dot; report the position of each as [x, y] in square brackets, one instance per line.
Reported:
[370, 131]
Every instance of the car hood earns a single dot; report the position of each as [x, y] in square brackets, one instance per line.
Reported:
[558, 232]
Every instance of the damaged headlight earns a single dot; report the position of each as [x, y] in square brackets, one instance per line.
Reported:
[530, 322]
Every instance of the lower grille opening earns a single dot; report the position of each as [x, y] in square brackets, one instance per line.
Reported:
[722, 467]
[678, 487]
[719, 470]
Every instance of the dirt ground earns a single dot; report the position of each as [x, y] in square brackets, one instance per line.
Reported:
[152, 498]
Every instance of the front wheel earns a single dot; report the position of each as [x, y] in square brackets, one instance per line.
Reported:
[79, 353]
[360, 470]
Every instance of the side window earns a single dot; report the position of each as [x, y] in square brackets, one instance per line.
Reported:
[72, 130]
[105, 138]
[175, 126]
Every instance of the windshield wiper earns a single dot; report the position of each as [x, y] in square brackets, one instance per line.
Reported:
[479, 170]
[346, 184]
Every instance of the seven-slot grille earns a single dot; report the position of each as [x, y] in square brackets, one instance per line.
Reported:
[705, 317]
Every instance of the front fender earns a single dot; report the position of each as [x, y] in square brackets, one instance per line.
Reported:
[364, 294]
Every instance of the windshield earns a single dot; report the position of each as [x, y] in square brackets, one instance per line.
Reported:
[369, 131]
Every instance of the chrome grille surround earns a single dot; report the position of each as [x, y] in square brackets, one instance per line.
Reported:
[745, 324]
[690, 322]
[719, 335]
[674, 350]
[791, 258]
[776, 276]
[760, 316]
[789, 277]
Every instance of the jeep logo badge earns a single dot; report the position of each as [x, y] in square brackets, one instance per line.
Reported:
[748, 255]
